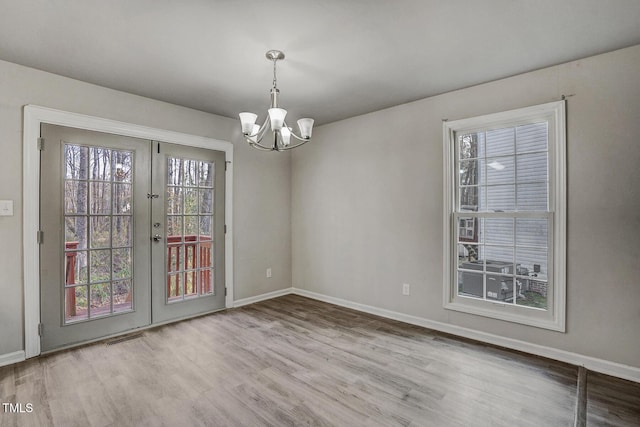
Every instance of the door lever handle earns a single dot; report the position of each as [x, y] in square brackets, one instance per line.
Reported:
[157, 238]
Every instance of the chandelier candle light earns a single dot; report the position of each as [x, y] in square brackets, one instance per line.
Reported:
[282, 134]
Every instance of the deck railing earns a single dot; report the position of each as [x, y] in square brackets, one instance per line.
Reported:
[175, 246]
[70, 277]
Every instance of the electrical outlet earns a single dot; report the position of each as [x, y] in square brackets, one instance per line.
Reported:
[269, 272]
[406, 289]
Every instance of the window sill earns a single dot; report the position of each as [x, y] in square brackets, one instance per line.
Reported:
[507, 312]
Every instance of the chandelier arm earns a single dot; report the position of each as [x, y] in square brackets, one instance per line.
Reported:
[299, 138]
[291, 147]
[259, 146]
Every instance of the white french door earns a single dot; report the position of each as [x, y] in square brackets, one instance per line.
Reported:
[133, 234]
[188, 231]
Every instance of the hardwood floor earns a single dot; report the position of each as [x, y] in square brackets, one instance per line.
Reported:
[612, 401]
[294, 361]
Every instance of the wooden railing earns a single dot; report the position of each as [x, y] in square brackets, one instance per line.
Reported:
[70, 277]
[174, 248]
[175, 245]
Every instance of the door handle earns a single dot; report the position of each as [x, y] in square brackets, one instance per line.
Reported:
[157, 238]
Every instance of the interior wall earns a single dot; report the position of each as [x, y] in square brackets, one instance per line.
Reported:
[262, 189]
[368, 204]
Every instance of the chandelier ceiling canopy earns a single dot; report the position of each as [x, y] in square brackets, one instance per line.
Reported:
[282, 134]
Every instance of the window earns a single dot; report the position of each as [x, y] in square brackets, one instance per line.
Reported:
[505, 215]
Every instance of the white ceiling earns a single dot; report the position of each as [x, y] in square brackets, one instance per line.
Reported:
[343, 58]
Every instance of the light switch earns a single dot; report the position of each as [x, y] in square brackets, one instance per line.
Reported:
[6, 207]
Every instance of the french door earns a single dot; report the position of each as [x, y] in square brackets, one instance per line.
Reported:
[133, 234]
[187, 231]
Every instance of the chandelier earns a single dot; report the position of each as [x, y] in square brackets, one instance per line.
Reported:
[282, 134]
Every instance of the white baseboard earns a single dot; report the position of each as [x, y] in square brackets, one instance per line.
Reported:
[599, 365]
[594, 364]
[262, 297]
[10, 358]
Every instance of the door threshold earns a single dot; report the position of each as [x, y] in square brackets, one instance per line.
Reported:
[107, 338]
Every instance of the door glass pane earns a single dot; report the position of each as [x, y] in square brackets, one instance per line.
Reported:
[174, 200]
[122, 198]
[122, 296]
[100, 300]
[76, 162]
[190, 201]
[206, 281]
[206, 172]
[206, 228]
[190, 222]
[98, 196]
[191, 173]
[75, 232]
[100, 265]
[174, 287]
[122, 263]
[174, 229]
[206, 201]
[190, 283]
[175, 257]
[100, 231]
[99, 164]
[75, 197]
[76, 307]
[122, 231]
[122, 166]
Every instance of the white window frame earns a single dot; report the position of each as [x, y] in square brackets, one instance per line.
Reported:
[554, 317]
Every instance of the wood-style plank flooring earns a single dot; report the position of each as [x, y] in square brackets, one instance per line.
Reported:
[293, 361]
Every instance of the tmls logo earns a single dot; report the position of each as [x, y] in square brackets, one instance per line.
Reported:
[17, 408]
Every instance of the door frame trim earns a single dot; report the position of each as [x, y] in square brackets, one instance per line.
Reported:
[35, 115]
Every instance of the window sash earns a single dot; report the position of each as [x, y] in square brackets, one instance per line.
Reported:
[514, 246]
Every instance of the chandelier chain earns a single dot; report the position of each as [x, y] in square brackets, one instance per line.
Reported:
[275, 80]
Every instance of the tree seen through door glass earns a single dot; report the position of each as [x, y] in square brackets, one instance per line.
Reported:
[98, 212]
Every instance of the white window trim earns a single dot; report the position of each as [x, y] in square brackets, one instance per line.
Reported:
[555, 317]
[33, 117]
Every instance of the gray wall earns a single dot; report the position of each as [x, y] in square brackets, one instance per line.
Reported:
[262, 184]
[367, 207]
